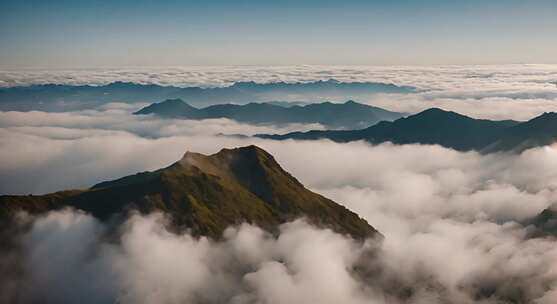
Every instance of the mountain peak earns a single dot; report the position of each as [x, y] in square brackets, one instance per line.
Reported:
[545, 116]
[439, 117]
[172, 101]
[247, 155]
[122, 84]
[346, 115]
[536, 132]
[544, 123]
[245, 150]
[438, 112]
[431, 126]
[170, 108]
[207, 194]
[191, 157]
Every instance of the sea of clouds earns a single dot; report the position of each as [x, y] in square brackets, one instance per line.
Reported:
[494, 78]
[517, 91]
[455, 224]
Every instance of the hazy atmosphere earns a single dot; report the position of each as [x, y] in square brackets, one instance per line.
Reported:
[389, 152]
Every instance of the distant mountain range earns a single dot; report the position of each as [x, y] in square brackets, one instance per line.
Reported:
[53, 97]
[348, 115]
[448, 129]
[206, 194]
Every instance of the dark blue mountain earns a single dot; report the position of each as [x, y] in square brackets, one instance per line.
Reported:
[448, 129]
[539, 131]
[348, 115]
[52, 97]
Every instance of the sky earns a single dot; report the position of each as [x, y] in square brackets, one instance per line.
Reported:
[62, 34]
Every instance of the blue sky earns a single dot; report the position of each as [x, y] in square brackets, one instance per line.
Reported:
[59, 34]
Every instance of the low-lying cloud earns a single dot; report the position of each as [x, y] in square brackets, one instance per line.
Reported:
[447, 262]
[493, 108]
[148, 264]
[99, 145]
[453, 222]
[491, 78]
[117, 117]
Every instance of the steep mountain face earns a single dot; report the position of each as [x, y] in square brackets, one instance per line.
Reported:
[347, 115]
[53, 97]
[206, 194]
[539, 131]
[448, 129]
[435, 126]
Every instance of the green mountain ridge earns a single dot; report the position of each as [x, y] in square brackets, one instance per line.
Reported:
[206, 194]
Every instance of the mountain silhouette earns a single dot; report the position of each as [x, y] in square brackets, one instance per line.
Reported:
[348, 115]
[539, 131]
[55, 97]
[448, 129]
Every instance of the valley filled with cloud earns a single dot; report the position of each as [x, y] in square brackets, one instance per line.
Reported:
[278, 152]
[457, 227]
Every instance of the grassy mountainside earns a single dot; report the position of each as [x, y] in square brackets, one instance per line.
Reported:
[207, 194]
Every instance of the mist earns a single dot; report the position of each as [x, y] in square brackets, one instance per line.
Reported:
[455, 225]
[70, 257]
[519, 91]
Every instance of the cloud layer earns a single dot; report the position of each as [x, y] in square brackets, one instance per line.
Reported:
[517, 92]
[493, 77]
[453, 222]
[100, 145]
[446, 261]
[151, 265]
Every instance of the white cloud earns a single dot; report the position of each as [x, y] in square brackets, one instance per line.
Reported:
[493, 91]
[37, 144]
[451, 220]
[449, 262]
[490, 77]
[151, 265]
[494, 108]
